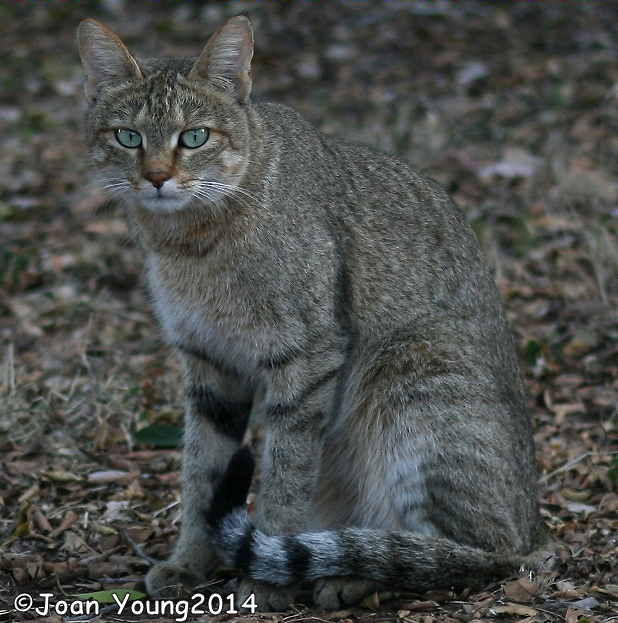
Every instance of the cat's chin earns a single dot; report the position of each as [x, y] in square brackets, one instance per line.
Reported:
[163, 202]
[164, 205]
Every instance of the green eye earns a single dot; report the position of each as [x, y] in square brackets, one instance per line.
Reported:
[128, 138]
[193, 138]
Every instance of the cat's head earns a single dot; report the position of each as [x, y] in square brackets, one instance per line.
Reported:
[169, 133]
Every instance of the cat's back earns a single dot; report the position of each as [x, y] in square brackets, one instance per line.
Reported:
[374, 197]
[406, 248]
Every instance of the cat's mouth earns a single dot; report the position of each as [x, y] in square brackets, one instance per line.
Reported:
[167, 199]
[171, 196]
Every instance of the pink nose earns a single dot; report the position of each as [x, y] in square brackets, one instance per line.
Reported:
[158, 178]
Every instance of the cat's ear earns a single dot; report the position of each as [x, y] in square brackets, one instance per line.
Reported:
[226, 59]
[105, 58]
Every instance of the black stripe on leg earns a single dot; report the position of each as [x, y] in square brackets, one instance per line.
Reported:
[323, 380]
[279, 410]
[221, 367]
[280, 359]
[229, 417]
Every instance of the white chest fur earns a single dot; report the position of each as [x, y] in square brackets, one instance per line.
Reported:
[210, 310]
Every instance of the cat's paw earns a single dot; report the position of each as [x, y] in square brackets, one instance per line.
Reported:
[339, 592]
[166, 579]
[265, 597]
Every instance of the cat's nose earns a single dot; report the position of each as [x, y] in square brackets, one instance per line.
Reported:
[158, 178]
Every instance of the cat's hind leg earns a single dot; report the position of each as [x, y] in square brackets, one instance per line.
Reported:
[371, 469]
[340, 592]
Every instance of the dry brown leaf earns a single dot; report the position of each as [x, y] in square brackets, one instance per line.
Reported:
[27, 568]
[61, 476]
[419, 606]
[68, 520]
[102, 528]
[513, 609]
[132, 490]
[74, 543]
[108, 476]
[62, 568]
[522, 589]
[566, 590]
[337, 615]
[112, 569]
[372, 602]
[16, 468]
[609, 590]
[40, 521]
[563, 410]
[572, 615]
[139, 534]
[30, 493]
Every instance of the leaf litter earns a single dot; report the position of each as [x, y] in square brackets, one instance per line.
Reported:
[512, 107]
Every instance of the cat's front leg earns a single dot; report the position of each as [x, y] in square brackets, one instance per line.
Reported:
[204, 457]
[216, 415]
[288, 473]
[290, 459]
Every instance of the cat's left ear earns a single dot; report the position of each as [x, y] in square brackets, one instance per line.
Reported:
[105, 58]
[226, 59]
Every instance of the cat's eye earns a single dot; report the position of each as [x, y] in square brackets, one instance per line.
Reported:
[193, 138]
[128, 138]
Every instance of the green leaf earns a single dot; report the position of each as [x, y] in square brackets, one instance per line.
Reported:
[158, 435]
[532, 352]
[107, 597]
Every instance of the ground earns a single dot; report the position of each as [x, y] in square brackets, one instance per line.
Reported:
[511, 105]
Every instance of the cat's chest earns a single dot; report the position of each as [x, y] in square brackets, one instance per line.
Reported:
[213, 311]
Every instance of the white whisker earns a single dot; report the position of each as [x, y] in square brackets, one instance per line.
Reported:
[215, 192]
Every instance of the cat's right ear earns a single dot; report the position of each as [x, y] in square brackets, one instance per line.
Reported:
[105, 58]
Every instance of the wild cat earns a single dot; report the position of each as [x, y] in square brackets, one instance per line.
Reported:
[343, 298]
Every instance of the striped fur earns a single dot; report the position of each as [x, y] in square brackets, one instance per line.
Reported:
[341, 297]
[394, 559]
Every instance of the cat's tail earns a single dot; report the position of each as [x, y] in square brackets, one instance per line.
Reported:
[401, 560]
